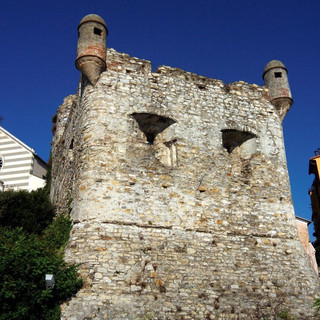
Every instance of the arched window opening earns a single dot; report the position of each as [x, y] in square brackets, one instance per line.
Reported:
[241, 145]
[151, 124]
[153, 127]
[241, 141]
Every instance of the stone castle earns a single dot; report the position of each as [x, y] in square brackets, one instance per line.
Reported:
[179, 192]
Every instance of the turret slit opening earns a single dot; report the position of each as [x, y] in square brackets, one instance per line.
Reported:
[70, 151]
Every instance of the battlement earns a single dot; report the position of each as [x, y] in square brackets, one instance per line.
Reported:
[124, 63]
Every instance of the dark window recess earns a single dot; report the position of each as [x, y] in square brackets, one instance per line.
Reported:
[278, 74]
[70, 151]
[151, 124]
[97, 31]
[232, 139]
[71, 144]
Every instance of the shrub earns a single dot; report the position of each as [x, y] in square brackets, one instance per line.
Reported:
[24, 261]
[316, 305]
[56, 235]
[31, 245]
[32, 211]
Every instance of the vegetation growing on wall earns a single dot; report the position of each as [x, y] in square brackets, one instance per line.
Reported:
[31, 245]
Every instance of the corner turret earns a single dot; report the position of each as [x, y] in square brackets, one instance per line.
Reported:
[92, 47]
[275, 76]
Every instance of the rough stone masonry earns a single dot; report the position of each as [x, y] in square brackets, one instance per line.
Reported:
[181, 201]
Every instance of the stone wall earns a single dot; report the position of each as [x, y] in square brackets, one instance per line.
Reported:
[181, 199]
[63, 168]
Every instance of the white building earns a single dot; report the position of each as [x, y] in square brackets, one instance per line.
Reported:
[20, 167]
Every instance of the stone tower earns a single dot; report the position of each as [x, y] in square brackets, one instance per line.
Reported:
[275, 76]
[181, 202]
[91, 49]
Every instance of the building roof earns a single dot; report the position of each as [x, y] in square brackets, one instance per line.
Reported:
[17, 140]
[303, 220]
[21, 143]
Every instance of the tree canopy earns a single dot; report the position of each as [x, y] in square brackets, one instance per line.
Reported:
[31, 245]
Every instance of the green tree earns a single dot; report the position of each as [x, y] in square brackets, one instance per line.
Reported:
[24, 261]
[32, 211]
[31, 245]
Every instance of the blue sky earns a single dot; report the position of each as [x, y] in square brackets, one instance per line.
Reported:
[229, 40]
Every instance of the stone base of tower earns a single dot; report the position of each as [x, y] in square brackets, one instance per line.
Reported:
[144, 272]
